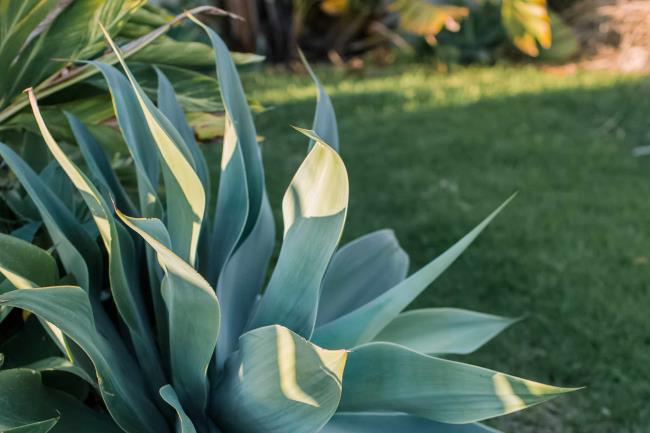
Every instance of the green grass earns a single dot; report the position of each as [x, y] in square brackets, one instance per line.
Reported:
[430, 155]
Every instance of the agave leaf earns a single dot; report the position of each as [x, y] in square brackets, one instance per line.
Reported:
[193, 317]
[26, 265]
[279, 383]
[314, 209]
[27, 231]
[24, 399]
[195, 90]
[138, 139]
[390, 423]
[364, 323]
[169, 395]
[63, 365]
[78, 252]
[147, 168]
[35, 427]
[121, 256]
[359, 272]
[240, 147]
[18, 354]
[324, 118]
[186, 197]
[242, 283]
[388, 377]
[171, 108]
[232, 207]
[244, 230]
[98, 163]
[119, 377]
[91, 110]
[57, 181]
[443, 330]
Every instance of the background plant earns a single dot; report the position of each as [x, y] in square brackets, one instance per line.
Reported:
[340, 29]
[46, 44]
[200, 281]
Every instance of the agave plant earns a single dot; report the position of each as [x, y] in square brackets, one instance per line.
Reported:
[168, 328]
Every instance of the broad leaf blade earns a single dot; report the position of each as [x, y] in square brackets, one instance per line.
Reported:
[314, 209]
[325, 117]
[364, 323]
[186, 197]
[78, 252]
[125, 286]
[194, 316]
[119, 377]
[24, 399]
[98, 163]
[388, 377]
[244, 231]
[359, 272]
[169, 395]
[26, 265]
[279, 383]
[443, 330]
[35, 427]
[392, 423]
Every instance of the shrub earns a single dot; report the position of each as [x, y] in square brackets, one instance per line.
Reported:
[166, 329]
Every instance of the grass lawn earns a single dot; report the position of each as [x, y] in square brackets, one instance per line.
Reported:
[431, 154]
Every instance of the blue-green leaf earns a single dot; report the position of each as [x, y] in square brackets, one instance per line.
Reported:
[125, 285]
[359, 272]
[137, 137]
[314, 209]
[78, 252]
[27, 231]
[193, 313]
[324, 118]
[35, 427]
[395, 422]
[119, 377]
[443, 330]
[184, 422]
[186, 197]
[25, 400]
[278, 383]
[364, 323]
[391, 378]
[26, 265]
[241, 280]
[244, 232]
[169, 106]
[63, 365]
[239, 113]
[98, 163]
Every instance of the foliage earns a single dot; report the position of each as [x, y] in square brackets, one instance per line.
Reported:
[46, 44]
[341, 29]
[167, 324]
[427, 153]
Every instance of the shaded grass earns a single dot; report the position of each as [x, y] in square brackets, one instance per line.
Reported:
[430, 155]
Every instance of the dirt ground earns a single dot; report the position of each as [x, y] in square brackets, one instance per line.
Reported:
[614, 34]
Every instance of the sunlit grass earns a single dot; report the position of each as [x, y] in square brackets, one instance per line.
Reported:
[431, 154]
